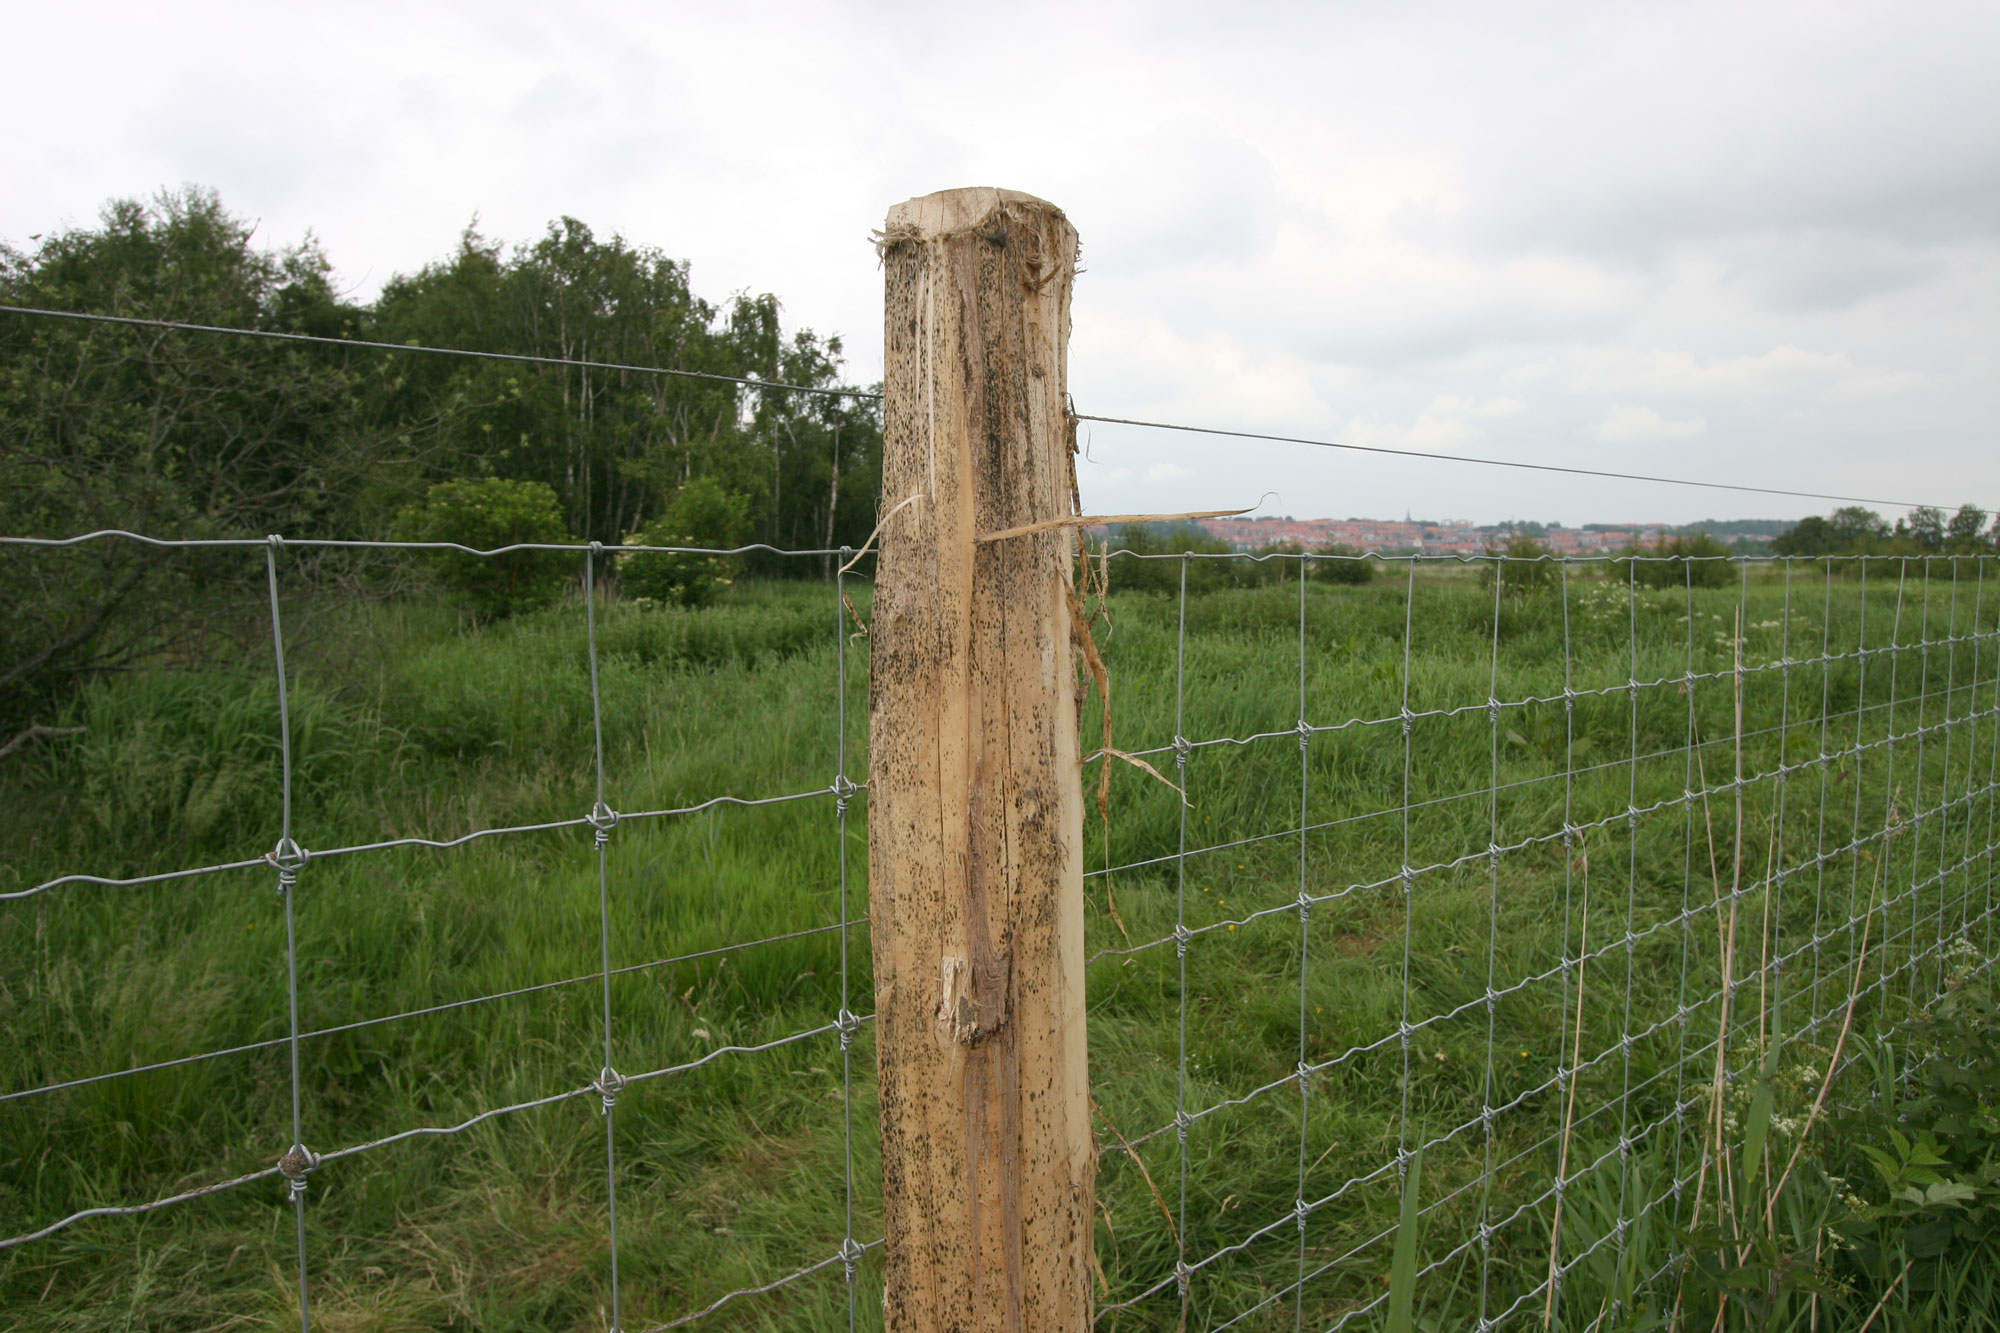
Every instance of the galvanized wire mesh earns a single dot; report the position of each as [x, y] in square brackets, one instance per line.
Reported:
[1793, 828]
[1707, 898]
[297, 1164]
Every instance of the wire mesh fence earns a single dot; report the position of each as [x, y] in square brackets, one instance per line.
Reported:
[1526, 872]
[1506, 878]
[681, 1061]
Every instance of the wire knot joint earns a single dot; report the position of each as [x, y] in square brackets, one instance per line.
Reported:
[609, 1084]
[296, 1165]
[603, 819]
[843, 793]
[287, 858]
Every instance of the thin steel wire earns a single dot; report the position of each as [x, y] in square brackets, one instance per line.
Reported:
[445, 1131]
[1929, 913]
[869, 395]
[1181, 937]
[298, 1160]
[603, 819]
[436, 844]
[1927, 907]
[363, 344]
[352, 544]
[1496, 462]
[428, 1010]
[850, 1249]
[1305, 950]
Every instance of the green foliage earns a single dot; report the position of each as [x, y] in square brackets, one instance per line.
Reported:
[1523, 567]
[1966, 533]
[1342, 564]
[182, 435]
[702, 514]
[1851, 530]
[1699, 561]
[172, 435]
[409, 724]
[485, 515]
[1921, 1145]
[616, 445]
[1277, 563]
[1139, 560]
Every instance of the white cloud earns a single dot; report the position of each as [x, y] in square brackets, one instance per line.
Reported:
[1630, 424]
[1733, 240]
[1448, 421]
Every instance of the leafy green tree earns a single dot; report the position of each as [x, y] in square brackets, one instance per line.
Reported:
[702, 515]
[486, 515]
[1811, 535]
[1857, 529]
[1965, 534]
[1927, 527]
[171, 434]
[616, 444]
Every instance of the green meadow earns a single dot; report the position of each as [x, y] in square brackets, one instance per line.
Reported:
[1860, 714]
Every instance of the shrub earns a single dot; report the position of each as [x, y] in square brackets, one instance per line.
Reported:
[1699, 561]
[701, 514]
[1523, 566]
[485, 514]
[1347, 564]
[1920, 1149]
[1130, 573]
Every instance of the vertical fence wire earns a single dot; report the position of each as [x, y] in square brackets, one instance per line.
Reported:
[1487, 1112]
[1183, 1280]
[1689, 776]
[1824, 764]
[1992, 782]
[850, 1251]
[1299, 1204]
[1573, 968]
[1934, 715]
[1616, 1306]
[288, 858]
[1407, 877]
[602, 820]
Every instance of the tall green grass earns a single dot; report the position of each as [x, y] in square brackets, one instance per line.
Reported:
[408, 724]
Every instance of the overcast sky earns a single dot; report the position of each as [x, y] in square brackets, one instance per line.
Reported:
[1739, 242]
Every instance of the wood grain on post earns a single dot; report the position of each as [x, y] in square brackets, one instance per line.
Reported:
[975, 821]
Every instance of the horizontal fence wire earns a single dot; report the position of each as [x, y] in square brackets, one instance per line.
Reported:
[1793, 829]
[1786, 842]
[293, 863]
[1829, 803]
[875, 395]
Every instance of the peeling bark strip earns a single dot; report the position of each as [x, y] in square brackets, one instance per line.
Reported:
[975, 806]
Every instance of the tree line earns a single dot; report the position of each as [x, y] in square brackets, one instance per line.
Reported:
[1926, 530]
[177, 434]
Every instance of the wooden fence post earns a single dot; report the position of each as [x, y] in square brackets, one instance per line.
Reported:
[975, 807]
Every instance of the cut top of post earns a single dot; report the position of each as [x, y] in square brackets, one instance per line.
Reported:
[950, 211]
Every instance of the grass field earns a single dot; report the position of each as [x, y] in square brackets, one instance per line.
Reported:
[735, 1172]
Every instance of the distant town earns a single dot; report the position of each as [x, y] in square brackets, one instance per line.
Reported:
[1460, 537]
